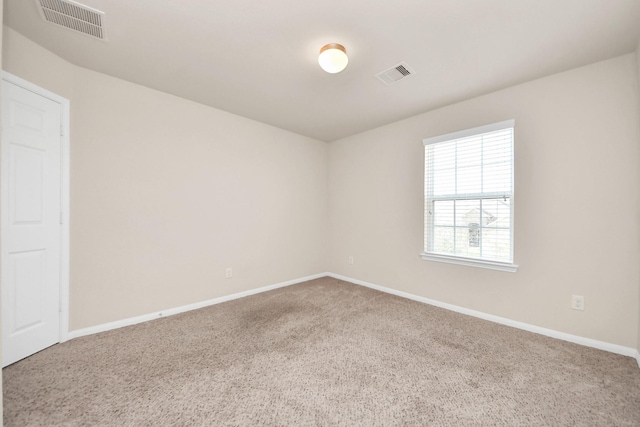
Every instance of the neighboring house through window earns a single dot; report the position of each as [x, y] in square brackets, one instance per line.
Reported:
[468, 189]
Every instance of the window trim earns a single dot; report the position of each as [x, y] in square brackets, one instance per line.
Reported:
[506, 124]
[469, 261]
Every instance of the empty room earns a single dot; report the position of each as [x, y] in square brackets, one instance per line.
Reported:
[344, 213]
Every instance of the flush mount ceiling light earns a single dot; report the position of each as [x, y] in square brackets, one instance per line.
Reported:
[333, 58]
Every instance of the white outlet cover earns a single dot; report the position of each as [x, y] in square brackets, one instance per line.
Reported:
[577, 302]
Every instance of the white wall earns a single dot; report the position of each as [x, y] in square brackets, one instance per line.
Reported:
[576, 204]
[166, 193]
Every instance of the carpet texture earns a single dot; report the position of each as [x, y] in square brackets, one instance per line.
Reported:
[324, 352]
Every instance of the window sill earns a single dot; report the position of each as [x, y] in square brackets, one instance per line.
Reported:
[471, 262]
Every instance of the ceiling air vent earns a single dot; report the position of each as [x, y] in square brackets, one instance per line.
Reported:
[74, 16]
[395, 74]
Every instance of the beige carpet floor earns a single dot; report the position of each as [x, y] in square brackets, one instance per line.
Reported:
[324, 352]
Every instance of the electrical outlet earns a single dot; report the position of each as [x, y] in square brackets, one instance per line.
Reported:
[577, 302]
[228, 272]
[351, 259]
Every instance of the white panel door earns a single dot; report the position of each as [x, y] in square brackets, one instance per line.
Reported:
[31, 230]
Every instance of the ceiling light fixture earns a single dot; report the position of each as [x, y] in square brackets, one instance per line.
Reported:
[333, 58]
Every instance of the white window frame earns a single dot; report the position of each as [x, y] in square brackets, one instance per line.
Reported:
[461, 260]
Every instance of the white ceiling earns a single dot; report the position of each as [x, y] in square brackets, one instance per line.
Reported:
[258, 59]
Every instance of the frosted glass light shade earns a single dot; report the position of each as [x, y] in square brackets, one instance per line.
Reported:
[333, 58]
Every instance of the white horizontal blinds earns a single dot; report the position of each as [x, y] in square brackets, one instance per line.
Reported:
[468, 194]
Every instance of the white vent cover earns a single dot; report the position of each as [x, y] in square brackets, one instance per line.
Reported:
[74, 16]
[395, 73]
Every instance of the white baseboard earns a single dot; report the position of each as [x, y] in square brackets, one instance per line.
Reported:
[176, 310]
[588, 342]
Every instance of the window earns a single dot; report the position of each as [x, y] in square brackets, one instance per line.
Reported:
[468, 197]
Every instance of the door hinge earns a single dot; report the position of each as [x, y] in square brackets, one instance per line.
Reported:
[61, 217]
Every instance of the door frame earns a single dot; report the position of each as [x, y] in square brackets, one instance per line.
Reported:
[65, 146]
